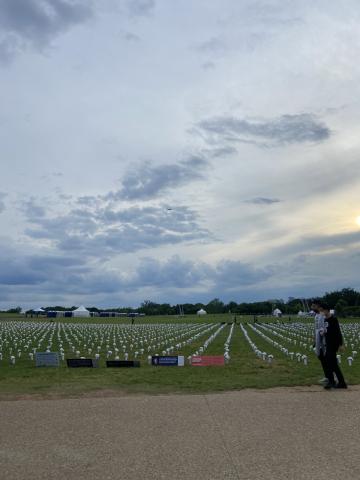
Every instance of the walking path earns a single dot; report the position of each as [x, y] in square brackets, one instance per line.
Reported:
[283, 433]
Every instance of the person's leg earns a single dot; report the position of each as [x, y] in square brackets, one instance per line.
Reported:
[339, 375]
[321, 357]
[330, 360]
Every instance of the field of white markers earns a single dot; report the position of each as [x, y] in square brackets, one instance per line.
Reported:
[20, 340]
[295, 341]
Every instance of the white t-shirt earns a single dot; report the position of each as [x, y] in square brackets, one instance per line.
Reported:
[319, 321]
[320, 329]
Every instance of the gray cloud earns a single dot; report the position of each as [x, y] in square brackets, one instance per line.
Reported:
[32, 209]
[102, 230]
[172, 273]
[284, 130]
[52, 274]
[235, 274]
[263, 201]
[211, 46]
[88, 200]
[179, 273]
[149, 181]
[321, 242]
[138, 8]
[2, 203]
[221, 151]
[208, 66]
[34, 23]
[44, 276]
[9, 47]
[272, 15]
[50, 176]
[18, 269]
[131, 37]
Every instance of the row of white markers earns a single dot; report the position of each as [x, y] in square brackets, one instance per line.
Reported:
[301, 336]
[23, 339]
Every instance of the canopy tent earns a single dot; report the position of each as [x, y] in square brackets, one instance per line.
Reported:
[201, 312]
[39, 310]
[81, 312]
[277, 312]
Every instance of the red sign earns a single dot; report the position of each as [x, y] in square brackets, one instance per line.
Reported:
[207, 360]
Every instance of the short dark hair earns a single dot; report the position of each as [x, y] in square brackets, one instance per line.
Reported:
[315, 301]
[324, 306]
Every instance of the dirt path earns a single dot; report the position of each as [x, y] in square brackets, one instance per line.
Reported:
[284, 433]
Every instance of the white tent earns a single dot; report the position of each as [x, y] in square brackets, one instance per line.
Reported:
[39, 310]
[277, 312]
[81, 312]
[201, 312]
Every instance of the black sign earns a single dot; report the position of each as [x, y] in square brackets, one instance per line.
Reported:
[122, 363]
[80, 362]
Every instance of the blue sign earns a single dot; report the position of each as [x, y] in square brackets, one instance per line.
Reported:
[167, 360]
[47, 359]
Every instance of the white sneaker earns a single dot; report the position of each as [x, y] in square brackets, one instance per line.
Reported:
[324, 381]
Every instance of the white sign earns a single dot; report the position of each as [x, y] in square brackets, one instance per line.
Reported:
[181, 361]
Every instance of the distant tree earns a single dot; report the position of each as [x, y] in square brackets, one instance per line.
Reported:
[357, 301]
[352, 311]
[215, 306]
[165, 309]
[340, 307]
[348, 295]
[14, 310]
[149, 308]
[188, 309]
[231, 307]
[294, 305]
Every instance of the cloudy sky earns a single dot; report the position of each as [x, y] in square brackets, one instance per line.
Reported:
[178, 150]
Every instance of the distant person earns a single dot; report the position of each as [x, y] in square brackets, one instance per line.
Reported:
[319, 337]
[334, 341]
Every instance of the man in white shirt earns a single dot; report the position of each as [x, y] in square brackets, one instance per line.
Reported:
[319, 337]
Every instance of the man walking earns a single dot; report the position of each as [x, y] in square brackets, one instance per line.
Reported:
[319, 337]
[334, 341]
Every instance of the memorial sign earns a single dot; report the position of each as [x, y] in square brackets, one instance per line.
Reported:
[47, 359]
[80, 362]
[122, 363]
[168, 360]
[207, 360]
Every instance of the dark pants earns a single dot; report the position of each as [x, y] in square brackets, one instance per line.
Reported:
[321, 357]
[332, 367]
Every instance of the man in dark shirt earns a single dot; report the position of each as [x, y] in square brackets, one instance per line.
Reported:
[334, 341]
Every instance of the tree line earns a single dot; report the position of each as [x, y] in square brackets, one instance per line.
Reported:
[346, 302]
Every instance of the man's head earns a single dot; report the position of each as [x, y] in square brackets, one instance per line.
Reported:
[324, 308]
[315, 305]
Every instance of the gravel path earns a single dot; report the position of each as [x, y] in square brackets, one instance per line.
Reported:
[283, 433]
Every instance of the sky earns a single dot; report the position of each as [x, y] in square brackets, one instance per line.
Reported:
[178, 150]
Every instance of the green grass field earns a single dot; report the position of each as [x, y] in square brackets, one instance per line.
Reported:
[245, 369]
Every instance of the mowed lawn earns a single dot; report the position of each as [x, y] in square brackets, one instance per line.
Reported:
[245, 369]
